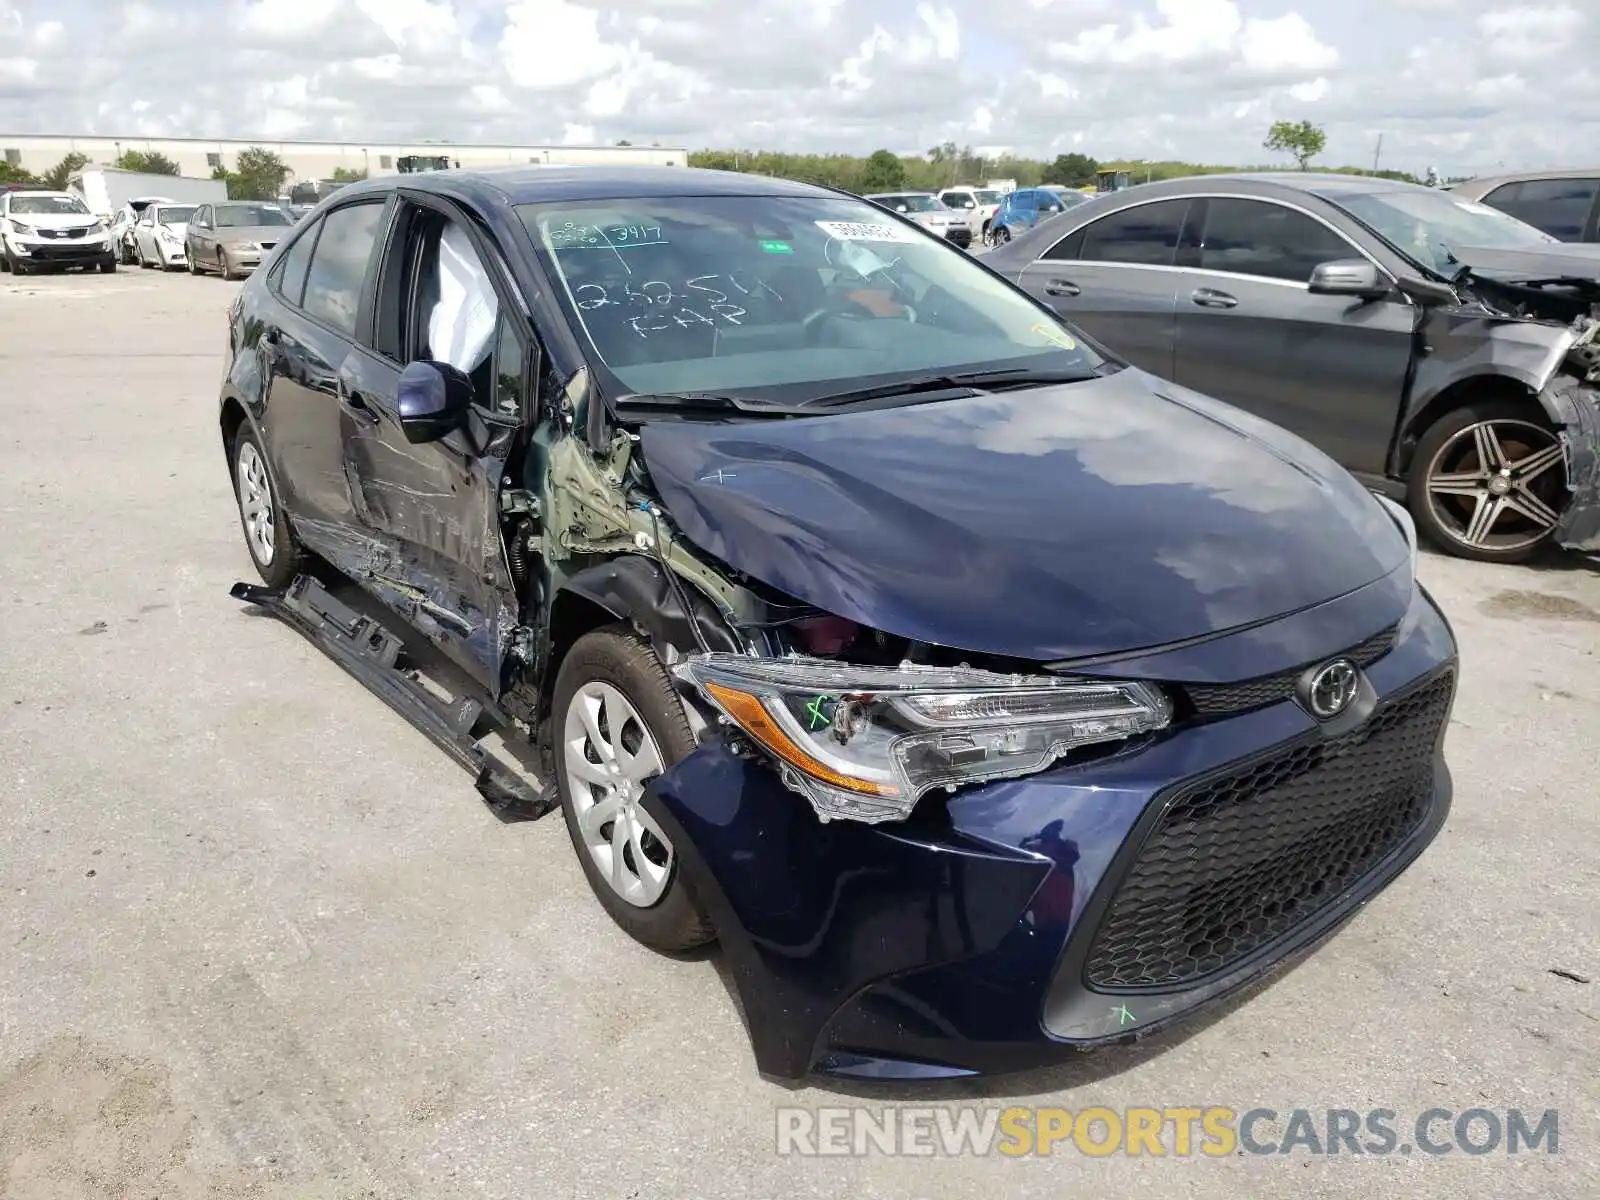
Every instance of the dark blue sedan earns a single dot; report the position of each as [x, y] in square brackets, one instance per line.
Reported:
[984, 696]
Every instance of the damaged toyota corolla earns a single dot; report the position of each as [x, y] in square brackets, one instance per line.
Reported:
[985, 697]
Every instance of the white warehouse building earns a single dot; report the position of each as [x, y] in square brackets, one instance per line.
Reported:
[198, 157]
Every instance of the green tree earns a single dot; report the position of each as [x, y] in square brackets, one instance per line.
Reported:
[883, 172]
[257, 175]
[12, 173]
[347, 175]
[151, 162]
[1071, 170]
[56, 177]
[1300, 139]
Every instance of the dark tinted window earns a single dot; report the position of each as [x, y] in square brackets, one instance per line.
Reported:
[339, 265]
[510, 356]
[1560, 207]
[1253, 237]
[1069, 247]
[290, 274]
[1146, 234]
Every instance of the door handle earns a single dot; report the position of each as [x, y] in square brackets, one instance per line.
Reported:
[1062, 287]
[355, 403]
[1211, 298]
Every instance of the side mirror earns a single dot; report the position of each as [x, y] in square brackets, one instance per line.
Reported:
[1347, 277]
[432, 399]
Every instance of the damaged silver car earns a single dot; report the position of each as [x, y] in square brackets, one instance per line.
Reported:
[1443, 351]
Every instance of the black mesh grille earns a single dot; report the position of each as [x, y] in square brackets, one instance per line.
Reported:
[1219, 699]
[1239, 860]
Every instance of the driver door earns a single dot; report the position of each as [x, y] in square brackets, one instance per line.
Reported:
[434, 508]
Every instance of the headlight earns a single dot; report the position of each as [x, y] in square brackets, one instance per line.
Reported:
[98, 227]
[1402, 517]
[19, 227]
[246, 246]
[864, 743]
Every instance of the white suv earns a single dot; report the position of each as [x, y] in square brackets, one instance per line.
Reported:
[40, 229]
[976, 205]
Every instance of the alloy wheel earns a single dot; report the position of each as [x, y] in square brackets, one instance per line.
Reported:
[609, 755]
[1498, 485]
[255, 502]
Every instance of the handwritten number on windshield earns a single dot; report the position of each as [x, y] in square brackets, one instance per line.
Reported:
[663, 307]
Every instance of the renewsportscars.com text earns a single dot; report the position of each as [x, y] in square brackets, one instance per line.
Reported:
[1207, 1132]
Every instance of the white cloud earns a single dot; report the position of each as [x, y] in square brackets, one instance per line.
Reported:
[1530, 34]
[1453, 83]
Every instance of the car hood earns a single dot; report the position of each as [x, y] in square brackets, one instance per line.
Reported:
[1558, 260]
[253, 233]
[1053, 523]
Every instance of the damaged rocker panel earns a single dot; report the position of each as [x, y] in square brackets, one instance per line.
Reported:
[373, 654]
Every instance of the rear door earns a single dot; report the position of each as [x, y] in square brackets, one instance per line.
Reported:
[1116, 279]
[443, 295]
[1329, 368]
[322, 284]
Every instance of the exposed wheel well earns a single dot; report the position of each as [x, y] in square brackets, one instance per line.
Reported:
[232, 417]
[1478, 389]
[571, 616]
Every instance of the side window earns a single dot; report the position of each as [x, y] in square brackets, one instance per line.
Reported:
[339, 264]
[289, 276]
[510, 369]
[1144, 235]
[455, 309]
[1069, 247]
[1560, 207]
[1254, 237]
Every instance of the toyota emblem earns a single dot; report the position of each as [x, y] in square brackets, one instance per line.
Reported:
[1332, 688]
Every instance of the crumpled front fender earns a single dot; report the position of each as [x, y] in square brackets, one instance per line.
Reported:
[1577, 406]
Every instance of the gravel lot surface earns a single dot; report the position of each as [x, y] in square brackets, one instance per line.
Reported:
[259, 939]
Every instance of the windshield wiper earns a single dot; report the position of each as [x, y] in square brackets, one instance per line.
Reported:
[702, 403]
[955, 381]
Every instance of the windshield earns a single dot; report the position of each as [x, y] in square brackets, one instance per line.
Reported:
[987, 197]
[177, 214]
[56, 206]
[782, 298]
[245, 216]
[1424, 225]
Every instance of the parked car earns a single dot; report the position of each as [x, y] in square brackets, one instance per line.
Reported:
[1565, 204]
[924, 209]
[1442, 350]
[986, 697]
[159, 236]
[977, 205]
[1020, 210]
[42, 229]
[124, 219]
[232, 239]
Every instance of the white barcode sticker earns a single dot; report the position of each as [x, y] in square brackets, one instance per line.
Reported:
[868, 231]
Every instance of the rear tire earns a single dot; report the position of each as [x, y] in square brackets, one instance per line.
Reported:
[1503, 510]
[616, 718]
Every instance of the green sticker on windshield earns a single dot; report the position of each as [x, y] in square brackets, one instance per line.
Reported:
[775, 247]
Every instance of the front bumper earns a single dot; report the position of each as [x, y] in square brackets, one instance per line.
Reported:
[1021, 921]
[60, 251]
[961, 235]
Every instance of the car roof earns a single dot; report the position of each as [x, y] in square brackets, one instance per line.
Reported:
[537, 184]
[1474, 188]
[1280, 184]
[39, 192]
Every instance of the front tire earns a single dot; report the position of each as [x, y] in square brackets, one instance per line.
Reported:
[1002, 235]
[618, 723]
[267, 533]
[108, 266]
[1488, 482]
